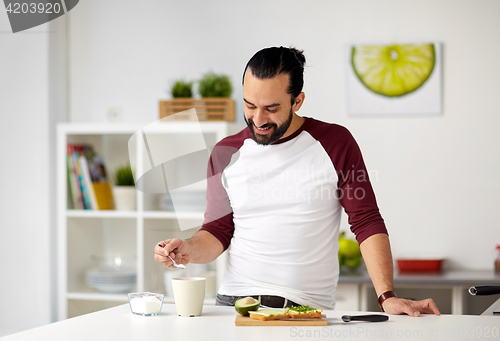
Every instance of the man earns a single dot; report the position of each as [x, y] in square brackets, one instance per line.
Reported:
[275, 194]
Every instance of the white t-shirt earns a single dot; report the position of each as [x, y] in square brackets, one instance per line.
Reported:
[278, 207]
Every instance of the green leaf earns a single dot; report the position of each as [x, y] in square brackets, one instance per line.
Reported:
[213, 85]
[182, 88]
[124, 176]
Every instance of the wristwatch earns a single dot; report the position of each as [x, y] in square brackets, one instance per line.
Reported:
[384, 296]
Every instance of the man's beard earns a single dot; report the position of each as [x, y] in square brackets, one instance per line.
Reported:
[277, 132]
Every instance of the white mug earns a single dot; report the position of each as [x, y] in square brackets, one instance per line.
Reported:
[168, 275]
[189, 294]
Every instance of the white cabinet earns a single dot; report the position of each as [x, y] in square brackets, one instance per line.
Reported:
[83, 234]
[347, 297]
[448, 289]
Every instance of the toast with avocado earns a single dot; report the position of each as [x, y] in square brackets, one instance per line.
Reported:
[299, 312]
[303, 312]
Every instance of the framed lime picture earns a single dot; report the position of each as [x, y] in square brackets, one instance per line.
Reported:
[394, 79]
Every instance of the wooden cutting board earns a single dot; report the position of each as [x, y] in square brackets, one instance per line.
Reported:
[247, 321]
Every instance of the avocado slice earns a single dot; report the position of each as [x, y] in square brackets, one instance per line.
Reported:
[244, 305]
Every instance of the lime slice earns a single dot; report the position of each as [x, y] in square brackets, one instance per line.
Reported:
[393, 70]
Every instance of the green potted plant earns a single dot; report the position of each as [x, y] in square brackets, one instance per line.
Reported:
[182, 89]
[124, 190]
[215, 85]
[215, 103]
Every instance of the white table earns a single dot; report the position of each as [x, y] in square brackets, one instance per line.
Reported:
[217, 323]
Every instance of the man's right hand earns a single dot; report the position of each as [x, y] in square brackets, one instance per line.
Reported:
[177, 248]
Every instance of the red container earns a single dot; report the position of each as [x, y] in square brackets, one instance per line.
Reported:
[420, 265]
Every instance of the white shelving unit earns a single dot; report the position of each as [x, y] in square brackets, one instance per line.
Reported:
[83, 233]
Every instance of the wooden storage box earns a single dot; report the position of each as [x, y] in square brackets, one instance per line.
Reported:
[207, 109]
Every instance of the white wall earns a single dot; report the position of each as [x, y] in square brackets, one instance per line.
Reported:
[437, 177]
[24, 173]
[32, 100]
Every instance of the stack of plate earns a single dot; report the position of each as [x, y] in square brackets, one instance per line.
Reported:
[110, 280]
[184, 201]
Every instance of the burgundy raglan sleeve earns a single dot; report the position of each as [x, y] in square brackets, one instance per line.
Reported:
[219, 215]
[355, 191]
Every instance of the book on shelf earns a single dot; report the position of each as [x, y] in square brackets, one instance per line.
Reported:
[74, 182]
[89, 185]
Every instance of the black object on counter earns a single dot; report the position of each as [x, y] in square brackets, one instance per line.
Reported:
[484, 290]
[367, 318]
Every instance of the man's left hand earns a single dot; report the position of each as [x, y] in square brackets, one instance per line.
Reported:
[396, 306]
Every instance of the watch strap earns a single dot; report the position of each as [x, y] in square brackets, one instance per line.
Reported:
[384, 296]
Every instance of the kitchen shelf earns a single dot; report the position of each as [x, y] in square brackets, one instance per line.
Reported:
[93, 296]
[96, 296]
[172, 215]
[133, 214]
[101, 214]
[84, 233]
